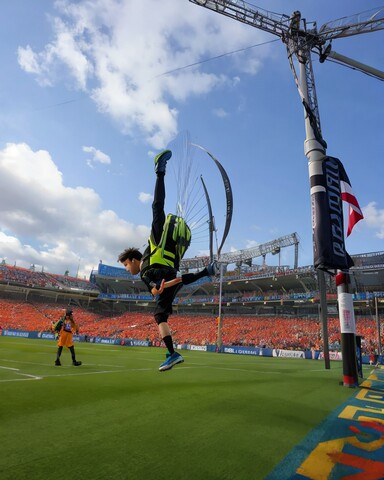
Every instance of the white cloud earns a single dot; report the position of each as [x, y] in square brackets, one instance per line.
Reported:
[28, 60]
[97, 156]
[67, 223]
[118, 51]
[145, 197]
[251, 244]
[374, 218]
[220, 112]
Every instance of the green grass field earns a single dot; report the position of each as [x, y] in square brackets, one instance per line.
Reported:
[117, 417]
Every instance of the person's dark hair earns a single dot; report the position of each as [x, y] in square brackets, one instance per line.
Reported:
[68, 312]
[130, 254]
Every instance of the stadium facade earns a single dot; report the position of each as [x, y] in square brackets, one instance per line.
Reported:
[243, 287]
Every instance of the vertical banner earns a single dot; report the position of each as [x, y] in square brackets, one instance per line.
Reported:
[327, 217]
[346, 313]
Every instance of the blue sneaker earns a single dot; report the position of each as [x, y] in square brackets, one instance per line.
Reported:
[171, 361]
[161, 161]
[212, 269]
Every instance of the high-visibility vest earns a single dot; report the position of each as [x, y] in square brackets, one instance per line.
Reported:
[173, 244]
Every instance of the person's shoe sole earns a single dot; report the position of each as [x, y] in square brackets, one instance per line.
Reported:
[168, 367]
[161, 161]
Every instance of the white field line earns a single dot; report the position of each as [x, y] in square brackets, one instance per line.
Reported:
[189, 365]
[77, 374]
[102, 372]
[25, 363]
[98, 372]
[21, 379]
[41, 377]
[30, 377]
[79, 345]
[51, 364]
[17, 372]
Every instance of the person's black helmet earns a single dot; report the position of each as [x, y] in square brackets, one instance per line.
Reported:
[69, 311]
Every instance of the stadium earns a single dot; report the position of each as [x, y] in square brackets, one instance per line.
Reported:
[246, 290]
[260, 389]
[255, 392]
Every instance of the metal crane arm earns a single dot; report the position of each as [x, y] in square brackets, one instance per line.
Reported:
[364, 22]
[342, 59]
[244, 255]
[275, 23]
[260, 250]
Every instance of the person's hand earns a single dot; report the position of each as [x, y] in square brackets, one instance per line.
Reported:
[157, 291]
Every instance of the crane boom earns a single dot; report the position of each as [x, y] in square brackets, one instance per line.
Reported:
[300, 39]
[277, 24]
[281, 25]
[364, 22]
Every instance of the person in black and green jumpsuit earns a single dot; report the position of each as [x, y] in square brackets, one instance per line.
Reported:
[159, 265]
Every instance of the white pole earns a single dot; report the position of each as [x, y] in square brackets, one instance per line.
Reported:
[378, 327]
[355, 64]
[315, 154]
[219, 322]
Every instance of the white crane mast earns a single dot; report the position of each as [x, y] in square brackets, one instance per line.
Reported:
[301, 39]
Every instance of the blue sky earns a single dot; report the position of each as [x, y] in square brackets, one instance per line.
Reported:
[87, 100]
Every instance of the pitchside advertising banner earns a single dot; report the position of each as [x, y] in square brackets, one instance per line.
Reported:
[18, 333]
[266, 352]
[43, 335]
[237, 350]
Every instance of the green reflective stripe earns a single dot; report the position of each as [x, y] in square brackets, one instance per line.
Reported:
[174, 241]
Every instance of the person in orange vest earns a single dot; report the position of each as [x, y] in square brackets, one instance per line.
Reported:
[66, 327]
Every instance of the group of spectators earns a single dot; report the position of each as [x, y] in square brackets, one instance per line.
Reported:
[267, 332]
[31, 278]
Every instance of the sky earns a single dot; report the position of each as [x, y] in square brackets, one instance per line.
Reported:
[90, 91]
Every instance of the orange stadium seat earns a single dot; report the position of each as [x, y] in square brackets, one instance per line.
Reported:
[271, 332]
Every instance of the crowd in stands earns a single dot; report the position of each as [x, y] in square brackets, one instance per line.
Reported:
[267, 332]
[31, 278]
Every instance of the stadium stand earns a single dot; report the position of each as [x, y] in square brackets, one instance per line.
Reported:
[30, 278]
[261, 306]
[266, 332]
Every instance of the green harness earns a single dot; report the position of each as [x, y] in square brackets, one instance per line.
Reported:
[175, 240]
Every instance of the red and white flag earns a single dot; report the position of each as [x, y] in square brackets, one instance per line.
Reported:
[347, 195]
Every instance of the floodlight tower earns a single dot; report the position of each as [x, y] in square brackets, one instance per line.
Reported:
[301, 40]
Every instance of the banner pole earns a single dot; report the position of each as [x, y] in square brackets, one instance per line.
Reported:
[379, 351]
[219, 341]
[324, 316]
[348, 330]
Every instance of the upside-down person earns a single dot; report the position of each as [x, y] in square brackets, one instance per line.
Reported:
[159, 264]
[66, 327]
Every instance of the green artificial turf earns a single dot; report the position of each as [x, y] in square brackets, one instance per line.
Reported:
[216, 416]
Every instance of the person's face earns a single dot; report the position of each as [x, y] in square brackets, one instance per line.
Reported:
[132, 266]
